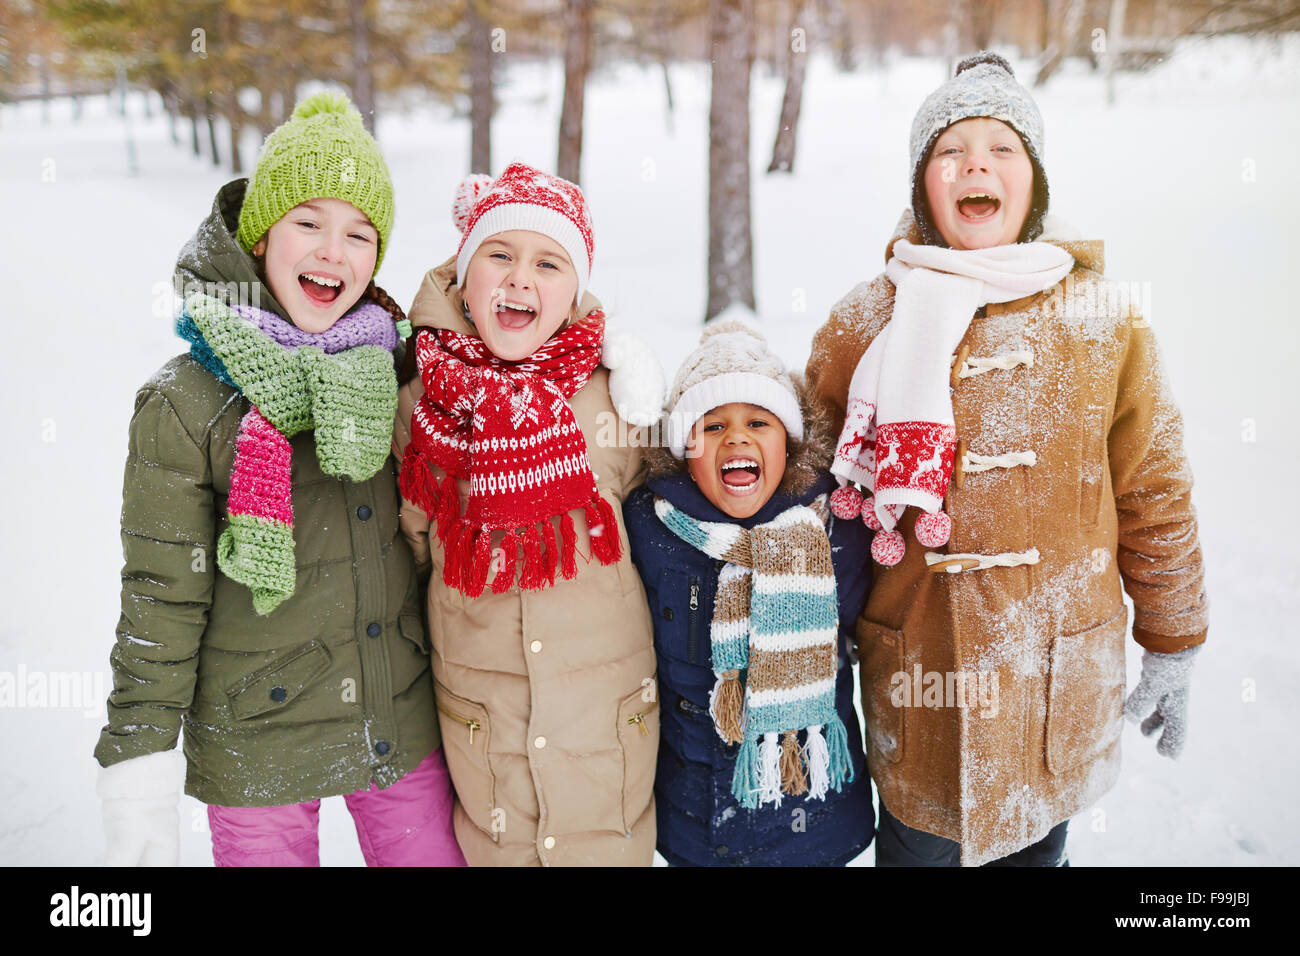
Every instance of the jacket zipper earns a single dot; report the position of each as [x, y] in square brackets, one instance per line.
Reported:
[693, 624]
[472, 724]
[639, 719]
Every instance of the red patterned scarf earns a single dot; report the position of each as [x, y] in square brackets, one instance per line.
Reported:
[508, 429]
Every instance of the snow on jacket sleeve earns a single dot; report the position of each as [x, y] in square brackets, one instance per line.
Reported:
[838, 345]
[1159, 551]
[168, 529]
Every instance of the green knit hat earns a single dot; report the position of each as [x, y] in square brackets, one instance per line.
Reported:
[323, 150]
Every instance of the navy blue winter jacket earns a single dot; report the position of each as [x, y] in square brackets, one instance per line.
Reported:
[700, 823]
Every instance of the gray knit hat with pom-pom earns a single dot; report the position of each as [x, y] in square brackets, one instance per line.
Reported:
[982, 85]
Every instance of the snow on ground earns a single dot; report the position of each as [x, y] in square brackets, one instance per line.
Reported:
[1188, 179]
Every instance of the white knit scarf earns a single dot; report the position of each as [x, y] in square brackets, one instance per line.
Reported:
[899, 398]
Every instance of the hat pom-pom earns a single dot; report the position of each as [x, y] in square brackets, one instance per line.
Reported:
[730, 326]
[933, 530]
[326, 102]
[468, 193]
[869, 517]
[987, 56]
[888, 547]
[846, 502]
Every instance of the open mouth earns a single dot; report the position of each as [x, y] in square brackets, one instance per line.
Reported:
[513, 316]
[978, 206]
[740, 475]
[319, 288]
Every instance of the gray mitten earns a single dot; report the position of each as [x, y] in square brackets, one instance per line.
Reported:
[1164, 685]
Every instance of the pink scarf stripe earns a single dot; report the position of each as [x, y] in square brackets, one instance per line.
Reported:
[261, 484]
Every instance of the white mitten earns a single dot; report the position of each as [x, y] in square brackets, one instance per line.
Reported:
[141, 800]
[636, 379]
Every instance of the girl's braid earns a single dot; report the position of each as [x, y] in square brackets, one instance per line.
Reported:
[407, 370]
[384, 299]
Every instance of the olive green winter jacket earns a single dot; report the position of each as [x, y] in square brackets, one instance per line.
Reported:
[324, 695]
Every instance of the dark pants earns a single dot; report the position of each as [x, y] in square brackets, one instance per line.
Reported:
[897, 844]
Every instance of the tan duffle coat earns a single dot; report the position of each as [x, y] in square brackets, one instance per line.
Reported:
[993, 697]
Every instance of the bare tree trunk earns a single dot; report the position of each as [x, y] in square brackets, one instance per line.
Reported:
[194, 128]
[668, 93]
[980, 16]
[838, 23]
[480, 90]
[731, 252]
[577, 63]
[212, 130]
[1063, 45]
[662, 32]
[796, 65]
[45, 91]
[1114, 44]
[234, 119]
[169, 106]
[288, 100]
[362, 75]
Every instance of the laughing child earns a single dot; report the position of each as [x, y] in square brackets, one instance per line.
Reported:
[542, 650]
[755, 589]
[989, 380]
[268, 599]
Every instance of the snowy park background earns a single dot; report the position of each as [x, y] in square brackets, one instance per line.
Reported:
[1189, 178]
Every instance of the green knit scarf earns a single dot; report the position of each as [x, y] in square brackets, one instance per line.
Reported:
[346, 392]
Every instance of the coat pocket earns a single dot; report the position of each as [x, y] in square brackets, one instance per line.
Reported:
[638, 735]
[466, 735]
[412, 629]
[680, 629]
[880, 651]
[279, 683]
[1085, 708]
[1093, 464]
[409, 657]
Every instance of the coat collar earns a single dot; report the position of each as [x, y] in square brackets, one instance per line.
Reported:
[214, 257]
[680, 491]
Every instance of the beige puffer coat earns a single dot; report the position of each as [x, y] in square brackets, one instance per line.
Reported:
[548, 699]
[1031, 734]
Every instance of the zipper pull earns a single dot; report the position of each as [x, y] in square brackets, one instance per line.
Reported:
[640, 722]
[473, 726]
[695, 595]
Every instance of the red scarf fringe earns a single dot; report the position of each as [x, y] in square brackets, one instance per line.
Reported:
[468, 549]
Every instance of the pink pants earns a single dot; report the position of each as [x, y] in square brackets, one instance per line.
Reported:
[409, 824]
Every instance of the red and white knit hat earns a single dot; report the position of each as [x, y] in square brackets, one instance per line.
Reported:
[523, 198]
